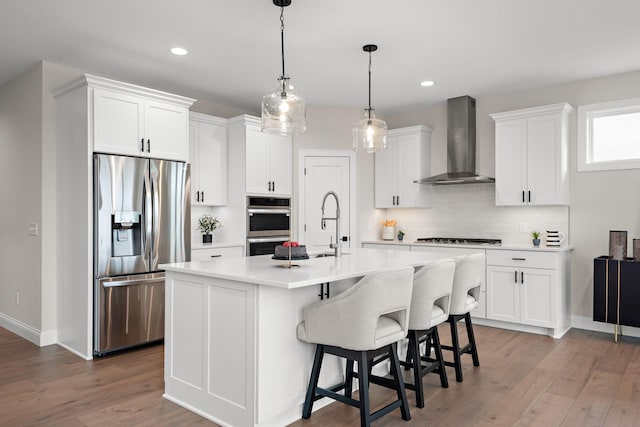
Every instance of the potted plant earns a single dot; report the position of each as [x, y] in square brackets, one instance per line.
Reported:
[206, 224]
[536, 238]
[400, 235]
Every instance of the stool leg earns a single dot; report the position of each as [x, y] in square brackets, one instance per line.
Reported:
[407, 357]
[435, 336]
[313, 382]
[414, 337]
[455, 343]
[401, 392]
[348, 378]
[472, 339]
[363, 383]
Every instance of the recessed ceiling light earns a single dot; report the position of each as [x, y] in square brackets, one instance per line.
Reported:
[427, 83]
[178, 51]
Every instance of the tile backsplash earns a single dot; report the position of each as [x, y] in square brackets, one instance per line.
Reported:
[470, 211]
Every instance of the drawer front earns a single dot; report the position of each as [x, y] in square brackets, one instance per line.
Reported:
[530, 259]
[212, 253]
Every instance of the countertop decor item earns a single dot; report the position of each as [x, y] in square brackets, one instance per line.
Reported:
[536, 238]
[617, 245]
[388, 229]
[401, 235]
[369, 133]
[283, 111]
[206, 224]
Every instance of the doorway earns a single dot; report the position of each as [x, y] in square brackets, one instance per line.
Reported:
[319, 173]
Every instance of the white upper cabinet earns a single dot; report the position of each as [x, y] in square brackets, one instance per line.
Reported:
[208, 158]
[268, 158]
[407, 158]
[136, 121]
[532, 164]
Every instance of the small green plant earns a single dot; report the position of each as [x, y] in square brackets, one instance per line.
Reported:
[208, 223]
[535, 234]
[400, 233]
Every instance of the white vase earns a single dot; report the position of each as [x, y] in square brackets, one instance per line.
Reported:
[388, 233]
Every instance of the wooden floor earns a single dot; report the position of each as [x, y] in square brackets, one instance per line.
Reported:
[584, 379]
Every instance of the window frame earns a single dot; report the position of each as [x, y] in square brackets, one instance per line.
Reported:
[586, 114]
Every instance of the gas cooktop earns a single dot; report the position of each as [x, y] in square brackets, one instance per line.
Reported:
[459, 241]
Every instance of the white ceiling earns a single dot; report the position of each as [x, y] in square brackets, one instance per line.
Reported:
[469, 47]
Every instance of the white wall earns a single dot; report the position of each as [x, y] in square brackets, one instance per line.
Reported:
[21, 192]
[600, 201]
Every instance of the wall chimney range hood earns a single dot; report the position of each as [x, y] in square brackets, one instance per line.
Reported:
[461, 145]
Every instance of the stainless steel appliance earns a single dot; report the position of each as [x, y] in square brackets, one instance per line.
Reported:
[460, 241]
[141, 220]
[268, 224]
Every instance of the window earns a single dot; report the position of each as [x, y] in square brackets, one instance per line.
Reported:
[609, 135]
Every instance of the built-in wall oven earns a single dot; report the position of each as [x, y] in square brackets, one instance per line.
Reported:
[268, 224]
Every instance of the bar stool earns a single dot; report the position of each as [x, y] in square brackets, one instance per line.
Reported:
[359, 324]
[464, 298]
[430, 303]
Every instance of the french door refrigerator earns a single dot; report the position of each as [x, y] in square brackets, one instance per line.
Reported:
[141, 220]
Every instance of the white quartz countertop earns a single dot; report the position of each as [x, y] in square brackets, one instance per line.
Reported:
[510, 247]
[263, 270]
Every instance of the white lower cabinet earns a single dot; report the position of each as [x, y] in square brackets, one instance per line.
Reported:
[528, 288]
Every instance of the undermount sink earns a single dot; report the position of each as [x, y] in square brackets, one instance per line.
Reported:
[324, 254]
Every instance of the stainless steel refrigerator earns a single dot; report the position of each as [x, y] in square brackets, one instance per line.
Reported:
[141, 220]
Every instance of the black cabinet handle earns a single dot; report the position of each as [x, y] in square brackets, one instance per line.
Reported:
[273, 186]
[397, 200]
[519, 259]
[142, 145]
[202, 196]
[515, 277]
[148, 145]
[216, 256]
[522, 196]
[522, 277]
[197, 196]
[529, 196]
[269, 186]
[394, 201]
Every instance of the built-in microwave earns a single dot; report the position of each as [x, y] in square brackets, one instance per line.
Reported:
[268, 217]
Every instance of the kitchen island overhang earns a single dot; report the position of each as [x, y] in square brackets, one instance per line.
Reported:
[231, 351]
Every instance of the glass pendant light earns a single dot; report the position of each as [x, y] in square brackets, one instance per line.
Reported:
[283, 111]
[370, 134]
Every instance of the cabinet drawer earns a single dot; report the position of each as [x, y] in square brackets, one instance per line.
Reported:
[212, 253]
[531, 259]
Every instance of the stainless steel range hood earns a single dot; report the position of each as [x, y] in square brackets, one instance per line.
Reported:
[461, 145]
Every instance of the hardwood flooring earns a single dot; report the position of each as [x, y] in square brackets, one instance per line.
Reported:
[583, 379]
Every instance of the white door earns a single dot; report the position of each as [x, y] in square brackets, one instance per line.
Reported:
[503, 294]
[280, 164]
[166, 128]
[538, 302]
[258, 165]
[511, 162]
[118, 123]
[323, 174]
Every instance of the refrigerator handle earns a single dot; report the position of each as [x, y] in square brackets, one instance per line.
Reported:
[148, 216]
[155, 206]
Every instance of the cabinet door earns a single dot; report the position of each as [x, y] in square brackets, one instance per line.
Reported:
[410, 157]
[212, 164]
[258, 159]
[511, 162]
[385, 176]
[193, 160]
[503, 294]
[280, 165]
[545, 164]
[117, 123]
[537, 297]
[166, 130]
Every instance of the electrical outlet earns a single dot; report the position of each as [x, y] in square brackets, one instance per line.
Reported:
[17, 298]
[33, 229]
[523, 227]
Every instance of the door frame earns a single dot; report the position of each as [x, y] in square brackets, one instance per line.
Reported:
[302, 154]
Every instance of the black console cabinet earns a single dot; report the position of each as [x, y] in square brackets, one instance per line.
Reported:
[616, 291]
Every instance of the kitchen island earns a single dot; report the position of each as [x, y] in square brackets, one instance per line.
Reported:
[231, 351]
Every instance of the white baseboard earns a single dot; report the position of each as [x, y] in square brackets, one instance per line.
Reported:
[27, 332]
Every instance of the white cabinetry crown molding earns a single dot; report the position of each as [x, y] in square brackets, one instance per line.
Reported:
[562, 107]
[246, 119]
[104, 83]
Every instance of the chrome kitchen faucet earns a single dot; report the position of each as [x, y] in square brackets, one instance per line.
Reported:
[323, 223]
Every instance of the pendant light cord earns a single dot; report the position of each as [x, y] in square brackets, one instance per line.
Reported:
[369, 109]
[284, 79]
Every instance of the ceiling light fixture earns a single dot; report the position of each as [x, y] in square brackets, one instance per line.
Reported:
[283, 111]
[179, 51]
[370, 134]
[427, 83]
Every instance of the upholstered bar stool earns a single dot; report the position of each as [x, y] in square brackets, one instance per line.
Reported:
[464, 298]
[364, 321]
[430, 303]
